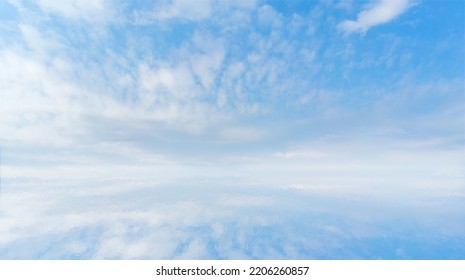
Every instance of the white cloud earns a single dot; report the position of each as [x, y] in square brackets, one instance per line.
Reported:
[162, 85]
[38, 42]
[185, 9]
[205, 56]
[170, 94]
[302, 154]
[242, 133]
[191, 10]
[50, 99]
[269, 16]
[36, 102]
[88, 10]
[240, 4]
[381, 12]
[244, 201]
[204, 220]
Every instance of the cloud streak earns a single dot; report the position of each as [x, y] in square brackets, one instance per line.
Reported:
[382, 12]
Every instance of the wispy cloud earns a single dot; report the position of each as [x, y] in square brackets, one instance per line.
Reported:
[98, 11]
[378, 13]
[301, 154]
[179, 9]
[189, 10]
[242, 134]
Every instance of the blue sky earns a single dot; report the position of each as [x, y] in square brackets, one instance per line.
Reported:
[232, 129]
